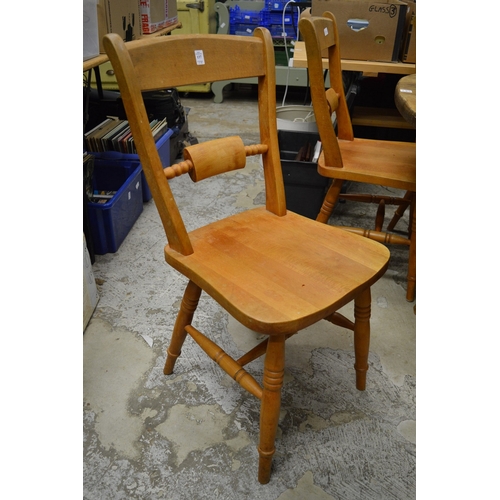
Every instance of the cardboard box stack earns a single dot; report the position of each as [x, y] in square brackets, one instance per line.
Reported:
[133, 18]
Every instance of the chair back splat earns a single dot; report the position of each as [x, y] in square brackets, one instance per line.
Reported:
[274, 271]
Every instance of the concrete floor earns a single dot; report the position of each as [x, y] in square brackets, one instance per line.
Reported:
[193, 435]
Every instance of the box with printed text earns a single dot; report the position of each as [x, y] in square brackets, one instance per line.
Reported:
[157, 14]
[368, 30]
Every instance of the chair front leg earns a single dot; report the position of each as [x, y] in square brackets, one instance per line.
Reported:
[274, 369]
[362, 313]
[188, 307]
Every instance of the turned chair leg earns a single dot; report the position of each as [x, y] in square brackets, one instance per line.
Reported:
[329, 202]
[400, 211]
[274, 369]
[184, 318]
[412, 259]
[362, 312]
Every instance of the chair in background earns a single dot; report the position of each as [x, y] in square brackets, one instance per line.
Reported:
[346, 158]
[276, 272]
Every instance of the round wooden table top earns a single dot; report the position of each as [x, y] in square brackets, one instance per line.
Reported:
[405, 97]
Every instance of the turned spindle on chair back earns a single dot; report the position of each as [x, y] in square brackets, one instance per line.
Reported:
[170, 61]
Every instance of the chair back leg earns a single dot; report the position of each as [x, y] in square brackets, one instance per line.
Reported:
[330, 200]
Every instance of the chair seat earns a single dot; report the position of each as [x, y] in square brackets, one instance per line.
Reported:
[385, 163]
[249, 264]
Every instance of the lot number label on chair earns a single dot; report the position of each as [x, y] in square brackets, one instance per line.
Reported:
[200, 58]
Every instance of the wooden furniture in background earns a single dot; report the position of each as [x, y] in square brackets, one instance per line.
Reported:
[276, 272]
[368, 68]
[364, 116]
[405, 97]
[346, 158]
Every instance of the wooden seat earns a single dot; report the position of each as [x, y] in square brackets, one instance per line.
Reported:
[274, 271]
[347, 158]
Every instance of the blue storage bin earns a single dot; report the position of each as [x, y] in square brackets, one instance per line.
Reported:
[110, 222]
[277, 31]
[269, 18]
[277, 5]
[128, 162]
[112, 171]
[242, 29]
[237, 15]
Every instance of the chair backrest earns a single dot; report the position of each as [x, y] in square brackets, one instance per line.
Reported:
[321, 39]
[172, 61]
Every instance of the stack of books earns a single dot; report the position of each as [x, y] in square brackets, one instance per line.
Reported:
[115, 135]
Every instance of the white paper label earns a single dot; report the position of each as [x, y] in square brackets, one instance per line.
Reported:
[200, 58]
[325, 31]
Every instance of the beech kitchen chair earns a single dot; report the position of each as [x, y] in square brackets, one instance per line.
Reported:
[346, 158]
[276, 272]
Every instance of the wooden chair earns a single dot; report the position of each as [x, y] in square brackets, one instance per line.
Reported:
[274, 271]
[346, 158]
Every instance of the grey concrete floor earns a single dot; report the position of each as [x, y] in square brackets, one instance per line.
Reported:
[193, 435]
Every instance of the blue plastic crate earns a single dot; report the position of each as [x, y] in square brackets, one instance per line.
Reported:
[117, 160]
[110, 170]
[269, 18]
[277, 31]
[110, 222]
[277, 5]
[242, 29]
[237, 15]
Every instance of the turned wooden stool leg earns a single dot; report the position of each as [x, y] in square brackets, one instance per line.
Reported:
[412, 259]
[185, 316]
[274, 369]
[362, 312]
[331, 198]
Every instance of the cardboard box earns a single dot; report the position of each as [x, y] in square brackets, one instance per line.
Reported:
[118, 16]
[157, 14]
[409, 45]
[90, 31]
[368, 30]
[172, 16]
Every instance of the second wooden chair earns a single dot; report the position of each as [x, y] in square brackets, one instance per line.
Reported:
[347, 158]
